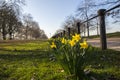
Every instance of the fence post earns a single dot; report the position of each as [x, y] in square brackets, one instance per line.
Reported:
[84, 29]
[61, 35]
[57, 35]
[103, 41]
[64, 33]
[88, 32]
[69, 32]
[78, 26]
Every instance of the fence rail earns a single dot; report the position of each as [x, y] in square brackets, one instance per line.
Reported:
[104, 12]
[101, 14]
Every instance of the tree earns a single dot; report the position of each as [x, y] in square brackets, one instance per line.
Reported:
[14, 26]
[115, 14]
[84, 11]
[27, 18]
[9, 15]
[71, 22]
[43, 35]
[89, 7]
[35, 30]
[3, 19]
[32, 29]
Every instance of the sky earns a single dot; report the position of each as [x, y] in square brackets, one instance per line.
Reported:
[50, 14]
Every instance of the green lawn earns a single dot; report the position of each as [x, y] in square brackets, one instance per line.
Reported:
[115, 34]
[30, 60]
[103, 64]
[27, 60]
[109, 35]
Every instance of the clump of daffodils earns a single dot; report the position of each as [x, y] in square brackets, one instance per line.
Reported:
[75, 39]
[70, 53]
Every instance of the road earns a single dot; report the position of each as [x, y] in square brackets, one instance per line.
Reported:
[112, 43]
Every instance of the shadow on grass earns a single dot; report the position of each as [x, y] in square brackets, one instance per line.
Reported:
[22, 54]
[103, 64]
[28, 65]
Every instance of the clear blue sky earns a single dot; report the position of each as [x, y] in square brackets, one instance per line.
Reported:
[50, 14]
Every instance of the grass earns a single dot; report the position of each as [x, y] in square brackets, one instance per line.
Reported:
[30, 60]
[116, 34]
[103, 64]
[27, 61]
[109, 35]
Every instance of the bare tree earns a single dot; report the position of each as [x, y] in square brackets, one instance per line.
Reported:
[27, 18]
[84, 11]
[9, 14]
[71, 22]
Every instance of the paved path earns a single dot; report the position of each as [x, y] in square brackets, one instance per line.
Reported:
[112, 43]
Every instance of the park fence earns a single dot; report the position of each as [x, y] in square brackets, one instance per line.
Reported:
[101, 15]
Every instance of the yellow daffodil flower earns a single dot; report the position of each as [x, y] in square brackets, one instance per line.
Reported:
[64, 41]
[76, 37]
[53, 45]
[72, 42]
[84, 45]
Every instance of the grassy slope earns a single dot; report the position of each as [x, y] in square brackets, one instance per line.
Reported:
[28, 60]
[103, 64]
[116, 34]
[109, 35]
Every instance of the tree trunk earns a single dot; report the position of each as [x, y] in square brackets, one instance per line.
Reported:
[97, 31]
[3, 31]
[97, 27]
[10, 34]
[13, 36]
[26, 33]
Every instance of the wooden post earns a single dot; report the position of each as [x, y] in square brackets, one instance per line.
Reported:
[58, 35]
[78, 26]
[103, 41]
[84, 29]
[61, 35]
[68, 32]
[64, 33]
[88, 31]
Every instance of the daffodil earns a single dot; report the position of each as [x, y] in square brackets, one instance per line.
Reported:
[72, 42]
[76, 37]
[53, 45]
[64, 41]
[84, 45]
